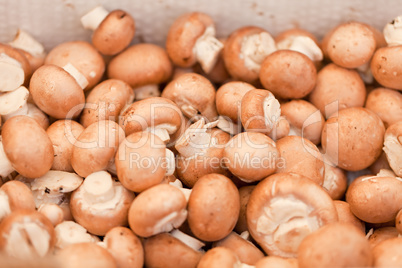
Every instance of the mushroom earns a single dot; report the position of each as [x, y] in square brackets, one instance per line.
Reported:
[157, 115]
[125, 247]
[200, 152]
[378, 235]
[14, 102]
[388, 253]
[251, 156]
[38, 115]
[398, 222]
[275, 261]
[385, 68]
[166, 211]
[335, 179]
[244, 192]
[91, 66]
[345, 215]
[100, 203]
[69, 232]
[219, 257]
[380, 163]
[26, 234]
[228, 103]
[194, 95]
[213, 207]
[105, 101]
[113, 31]
[244, 52]
[27, 146]
[142, 161]
[191, 39]
[170, 250]
[375, 199]
[337, 88]
[386, 103]
[337, 245]
[143, 67]
[98, 142]
[63, 134]
[392, 32]
[244, 249]
[84, 255]
[393, 147]
[299, 155]
[53, 212]
[288, 74]
[304, 119]
[283, 209]
[14, 68]
[58, 91]
[352, 139]
[15, 195]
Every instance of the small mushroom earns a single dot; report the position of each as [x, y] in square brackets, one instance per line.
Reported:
[335, 179]
[378, 235]
[385, 67]
[53, 212]
[337, 245]
[105, 101]
[219, 257]
[69, 232]
[15, 195]
[91, 66]
[245, 50]
[191, 39]
[283, 209]
[244, 192]
[166, 211]
[388, 253]
[14, 68]
[393, 147]
[386, 103]
[345, 215]
[113, 31]
[213, 207]
[194, 95]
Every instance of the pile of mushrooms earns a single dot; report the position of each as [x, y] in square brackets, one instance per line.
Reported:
[246, 150]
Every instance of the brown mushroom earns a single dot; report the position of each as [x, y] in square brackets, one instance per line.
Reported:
[15, 195]
[335, 179]
[219, 257]
[70, 232]
[393, 147]
[378, 235]
[388, 253]
[345, 215]
[275, 261]
[53, 212]
[15, 68]
[386, 103]
[244, 192]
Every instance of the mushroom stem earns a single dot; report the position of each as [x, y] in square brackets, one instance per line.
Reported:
[245, 235]
[22, 110]
[207, 49]
[306, 46]
[4, 205]
[228, 126]
[393, 32]
[147, 91]
[179, 185]
[170, 163]
[94, 18]
[188, 240]
[78, 76]
[14, 102]
[162, 133]
[98, 187]
[365, 72]
[69, 232]
[11, 73]
[188, 110]
[272, 110]
[26, 42]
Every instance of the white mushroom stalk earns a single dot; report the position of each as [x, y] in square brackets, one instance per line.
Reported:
[147, 91]
[255, 48]
[78, 76]
[94, 18]
[188, 240]
[188, 110]
[228, 126]
[14, 103]
[5, 166]
[304, 45]
[207, 49]
[26, 42]
[272, 110]
[11, 73]
[393, 150]
[170, 163]
[5, 209]
[163, 131]
[69, 232]
[179, 185]
[98, 187]
[393, 32]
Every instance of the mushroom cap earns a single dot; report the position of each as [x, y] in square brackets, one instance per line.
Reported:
[304, 117]
[244, 193]
[195, 90]
[84, 255]
[275, 261]
[337, 245]
[388, 253]
[288, 74]
[213, 207]
[219, 257]
[114, 33]
[335, 180]
[382, 234]
[140, 65]
[140, 161]
[83, 56]
[164, 250]
[125, 247]
[283, 209]
[385, 67]
[300, 156]
[350, 44]
[56, 92]
[386, 103]
[150, 113]
[157, 209]
[353, 138]
[63, 134]
[99, 143]
[345, 215]
[182, 36]
[337, 88]
[228, 99]
[105, 101]
[19, 195]
[27, 146]
[251, 156]
[375, 199]
[18, 56]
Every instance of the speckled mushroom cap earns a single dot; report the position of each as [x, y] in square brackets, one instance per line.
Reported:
[56, 92]
[353, 139]
[307, 206]
[393, 147]
[386, 68]
[114, 33]
[386, 103]
[141, 65]
[83, 56]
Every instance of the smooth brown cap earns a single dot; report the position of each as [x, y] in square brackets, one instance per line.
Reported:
[388, 253]
[19, 195]
[218, 257]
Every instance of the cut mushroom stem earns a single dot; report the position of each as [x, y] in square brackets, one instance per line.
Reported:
[393, 32]
[93, 18]
[307, 46]
[78, 76]
[5, 166]
[272, 110]
[188, 240]
[14, 102]
[4, 205]
[26, 42]
[179, 185]
[11, 73]
[189, 111]
[207, 49]
[255, 48]
[69, 232]
[228, 126]
[147, 91]
[163, 131]
[170, 163]
[98, 187]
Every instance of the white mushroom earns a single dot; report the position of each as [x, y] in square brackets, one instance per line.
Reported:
[11, 73]
[255, 48]
[207, 49]
[393, 32]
